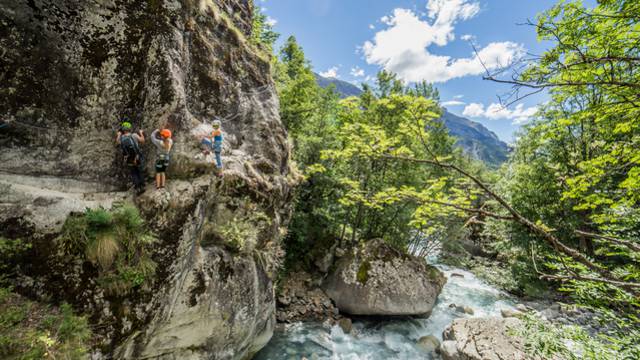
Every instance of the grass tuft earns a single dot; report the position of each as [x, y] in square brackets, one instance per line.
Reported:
[116, 241]
[103, 250]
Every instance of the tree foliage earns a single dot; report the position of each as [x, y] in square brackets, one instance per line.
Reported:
[565, 206]
[349, 194]
[262, 30]
[575, 169]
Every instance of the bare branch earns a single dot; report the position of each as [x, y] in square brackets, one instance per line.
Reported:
[534, 228]
[632, 287]
[631, 245]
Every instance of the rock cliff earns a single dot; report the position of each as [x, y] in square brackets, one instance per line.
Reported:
[70, 71]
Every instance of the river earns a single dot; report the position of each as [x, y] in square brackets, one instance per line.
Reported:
[390, 339]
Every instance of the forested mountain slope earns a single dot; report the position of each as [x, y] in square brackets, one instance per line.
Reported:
[476, 140]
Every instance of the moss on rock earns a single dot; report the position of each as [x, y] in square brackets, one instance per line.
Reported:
[363, 272]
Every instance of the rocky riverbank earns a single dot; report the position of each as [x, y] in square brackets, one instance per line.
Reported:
[549, 306]
[374, 280]
[466, 302]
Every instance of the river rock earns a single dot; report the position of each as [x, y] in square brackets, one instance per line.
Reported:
[448, 350]
[457, 275]
[346, 325]
[380, 281]
[510, 313]
[482, 339]
[550, 313]
[428, 343]
[468, 310]
[462, 309]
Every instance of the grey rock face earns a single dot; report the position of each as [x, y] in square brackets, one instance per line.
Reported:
[216, 303]
[482, 339]
[71, 71]
[379, 281]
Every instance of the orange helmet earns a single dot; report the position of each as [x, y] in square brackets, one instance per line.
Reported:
[165, 133]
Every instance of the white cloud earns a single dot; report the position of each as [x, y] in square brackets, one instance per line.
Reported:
[331, 73]
[453, 103]
[357, 72]
[467, 37]
[403, 47]
[457, 97]
[517, 115]
[473, 110]
[371, 26]
[271, 21]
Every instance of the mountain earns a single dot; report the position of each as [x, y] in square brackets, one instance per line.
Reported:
[475, 139]
[344, 88]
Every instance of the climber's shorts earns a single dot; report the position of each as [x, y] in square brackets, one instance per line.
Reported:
[161, 165]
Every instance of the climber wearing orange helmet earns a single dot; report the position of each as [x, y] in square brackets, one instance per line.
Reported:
[163, 142]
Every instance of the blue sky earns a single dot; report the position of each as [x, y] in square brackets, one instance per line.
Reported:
[420, 39]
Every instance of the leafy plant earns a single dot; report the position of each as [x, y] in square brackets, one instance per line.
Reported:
[546, 340]
[115, 241]
[262, 32]
[30, 330]
[10, 251]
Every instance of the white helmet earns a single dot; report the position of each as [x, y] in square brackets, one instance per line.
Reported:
[216, 123]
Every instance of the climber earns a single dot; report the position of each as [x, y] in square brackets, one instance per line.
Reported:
[130, 145]
[163, 142]
[214, 142]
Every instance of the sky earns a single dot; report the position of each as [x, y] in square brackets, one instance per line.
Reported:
[430, 40]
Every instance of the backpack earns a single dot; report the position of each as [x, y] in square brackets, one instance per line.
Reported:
[130, 150]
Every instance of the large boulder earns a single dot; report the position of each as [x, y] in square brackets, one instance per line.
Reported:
[377, 280]
[482, 339]
[71, 70]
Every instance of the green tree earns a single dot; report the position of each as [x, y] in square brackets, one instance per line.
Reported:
[262, 30]
[298, 91]
[575, 171]
[309, 114]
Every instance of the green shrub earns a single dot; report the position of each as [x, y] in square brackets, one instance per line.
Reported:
[29, 330]
[99, 218]
[116, 241]
[546, 341]
[10, 251]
